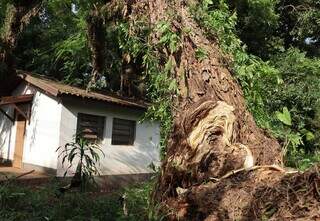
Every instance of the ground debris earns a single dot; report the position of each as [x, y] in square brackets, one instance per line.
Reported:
[253, 195]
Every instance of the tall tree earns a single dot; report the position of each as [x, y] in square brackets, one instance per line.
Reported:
[96, 39]
[18, 16]
[269, 26]
[211, 120]
[213, 135]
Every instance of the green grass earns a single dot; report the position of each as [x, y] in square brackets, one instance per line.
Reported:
[41, 203]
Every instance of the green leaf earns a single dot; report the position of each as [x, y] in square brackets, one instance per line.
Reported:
[173, 86]
[310, 136]
[284, 116]
[207, 2]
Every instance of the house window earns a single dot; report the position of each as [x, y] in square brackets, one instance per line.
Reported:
[123, 132]
[90, 127]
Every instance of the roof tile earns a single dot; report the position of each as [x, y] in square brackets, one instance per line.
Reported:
[56, 89]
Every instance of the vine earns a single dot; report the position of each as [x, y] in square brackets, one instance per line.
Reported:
[259, 79]
[135, 40]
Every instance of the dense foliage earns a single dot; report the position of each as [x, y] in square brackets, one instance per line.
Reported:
[285, 86]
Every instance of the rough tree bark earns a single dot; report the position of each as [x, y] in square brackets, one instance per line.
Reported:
[96, 40]
[96, 20]
[213, 134]
[213, 131]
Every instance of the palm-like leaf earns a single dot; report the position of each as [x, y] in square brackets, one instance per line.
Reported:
[86, 154]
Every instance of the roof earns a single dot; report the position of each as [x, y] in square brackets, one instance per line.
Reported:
[58, 89]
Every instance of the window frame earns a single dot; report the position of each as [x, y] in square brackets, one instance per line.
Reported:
[132, 135]
[100, 135]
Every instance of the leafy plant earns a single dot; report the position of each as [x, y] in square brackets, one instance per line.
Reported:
[284, 116]
[168, 37]
[141, 195]
[86, 156]
[303, 160]
[67, 58]
[158, 69]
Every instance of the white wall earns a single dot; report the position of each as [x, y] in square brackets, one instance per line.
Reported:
[6, 135]
[8, 128]
[53, 124]
[133, 159]
[42, 131]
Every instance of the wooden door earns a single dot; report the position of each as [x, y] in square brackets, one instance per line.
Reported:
[18, 150]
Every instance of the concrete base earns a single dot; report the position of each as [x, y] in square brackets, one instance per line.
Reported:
[50, 171]
[106, 182]
[114, 182]
[28, 167]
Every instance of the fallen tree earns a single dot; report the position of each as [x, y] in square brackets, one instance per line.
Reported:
[219, 165]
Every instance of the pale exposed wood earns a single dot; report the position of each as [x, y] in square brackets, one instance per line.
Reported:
[271, 167]
[18, 151]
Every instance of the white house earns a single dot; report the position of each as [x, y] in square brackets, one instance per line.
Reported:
[42, 114]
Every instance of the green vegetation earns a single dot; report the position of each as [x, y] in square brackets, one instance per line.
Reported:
[272, 47]
[157, 68]
[41, 203]
[287, 81]
[85, 157]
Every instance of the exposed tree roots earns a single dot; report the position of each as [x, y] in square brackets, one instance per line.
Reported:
[262, 194]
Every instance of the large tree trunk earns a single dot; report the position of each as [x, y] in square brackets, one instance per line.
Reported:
[213, 135]
[96, 40]
[96, 20]
[213, 131]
